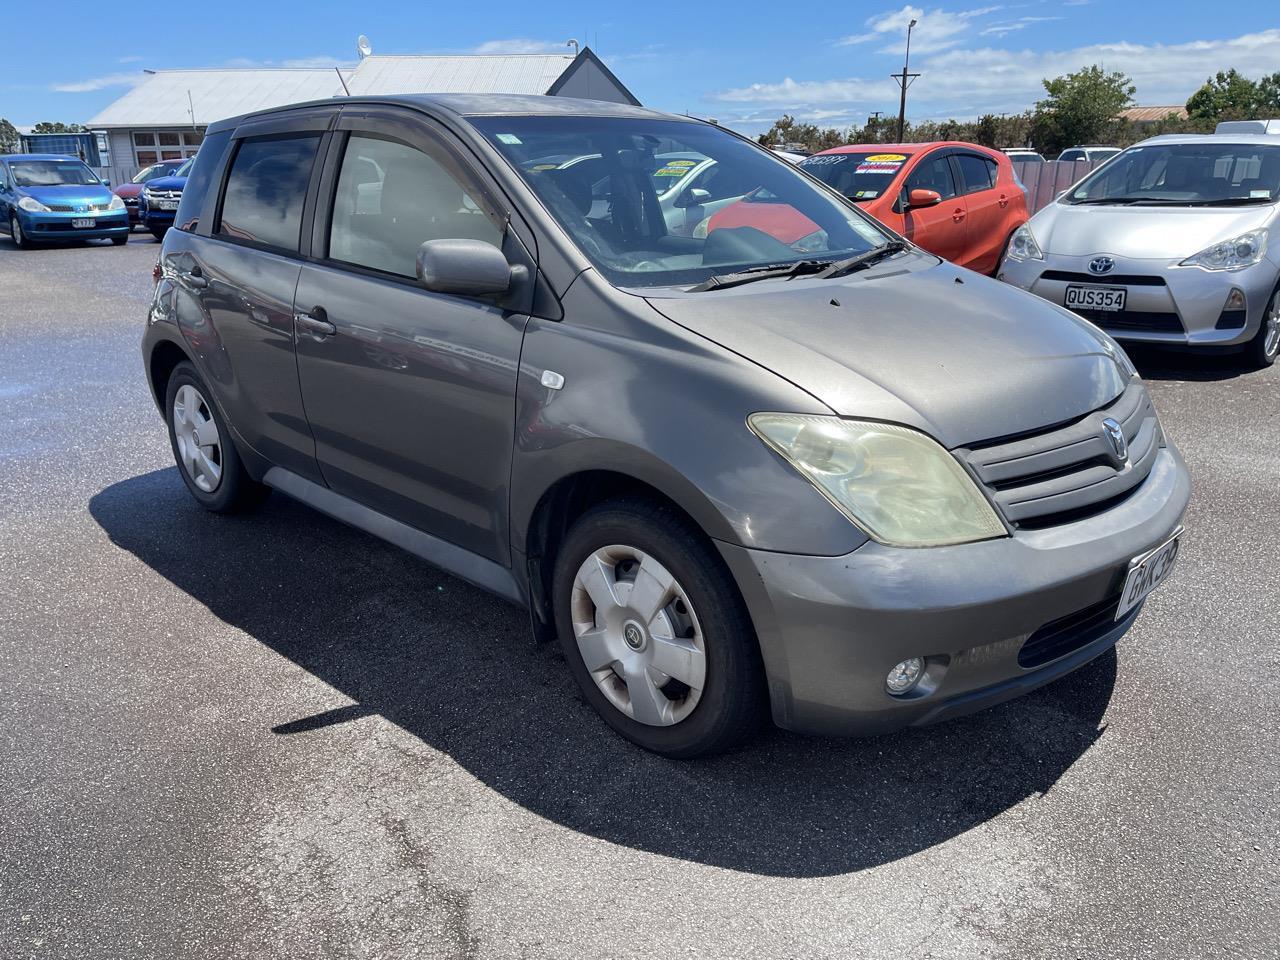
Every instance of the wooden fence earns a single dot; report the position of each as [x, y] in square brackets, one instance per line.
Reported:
[1044, 180]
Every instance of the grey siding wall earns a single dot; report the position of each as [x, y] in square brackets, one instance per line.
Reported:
[591, 83]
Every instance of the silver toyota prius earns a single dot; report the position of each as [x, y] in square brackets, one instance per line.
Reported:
[1169, 243]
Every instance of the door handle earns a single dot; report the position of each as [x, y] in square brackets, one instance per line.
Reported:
[315, 323]
[1004, 201]
[958, 216]
[194, 278]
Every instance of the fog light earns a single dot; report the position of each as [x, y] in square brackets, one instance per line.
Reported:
[905, 675]
[1235, 299]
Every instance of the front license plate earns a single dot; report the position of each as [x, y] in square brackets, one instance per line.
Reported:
[1146, 573]
[1095, 298]
[166, 204]
[81, 224]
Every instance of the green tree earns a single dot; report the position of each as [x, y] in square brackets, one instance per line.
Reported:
[46, 126]
[1226, 95]
[9, 142]
[1081, 107]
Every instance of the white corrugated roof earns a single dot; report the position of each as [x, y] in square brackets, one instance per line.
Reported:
[521, 73]
[161, 99]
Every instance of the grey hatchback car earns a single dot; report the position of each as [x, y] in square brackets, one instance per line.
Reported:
[735, 471]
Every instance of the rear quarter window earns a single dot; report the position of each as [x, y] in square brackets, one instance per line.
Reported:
[207, 162]
[266, 190]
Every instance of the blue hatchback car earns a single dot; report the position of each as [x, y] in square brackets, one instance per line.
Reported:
[159, 203]
[45, 197]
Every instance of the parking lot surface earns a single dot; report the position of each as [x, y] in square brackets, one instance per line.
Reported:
[273, 736]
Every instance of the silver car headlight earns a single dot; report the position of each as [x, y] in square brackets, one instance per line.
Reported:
[32, 205]
[1236, 254]
[116, 203]
[899, 486]
[1023, 246]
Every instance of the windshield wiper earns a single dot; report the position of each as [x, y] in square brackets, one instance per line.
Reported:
[1228, 202]
[750, 275]
[861, 261]
[1098, 201]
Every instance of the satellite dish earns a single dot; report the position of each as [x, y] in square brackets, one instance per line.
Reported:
[363, 46]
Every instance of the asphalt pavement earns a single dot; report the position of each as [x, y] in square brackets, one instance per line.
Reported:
[273, 736]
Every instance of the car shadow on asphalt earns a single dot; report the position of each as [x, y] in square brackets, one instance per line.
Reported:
[1171, 363]
[457, 669]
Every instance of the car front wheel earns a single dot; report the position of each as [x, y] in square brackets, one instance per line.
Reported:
[1263, 349]
[15, 229]
[655, 632]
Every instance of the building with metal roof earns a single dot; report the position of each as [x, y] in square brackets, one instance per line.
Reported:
[164, 116]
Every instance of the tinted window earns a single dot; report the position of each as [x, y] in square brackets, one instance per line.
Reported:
[390, 199]
[200, 176]
[266, 190]
[933, 173]
[978, 173]
[1072, 155]
[606, 199]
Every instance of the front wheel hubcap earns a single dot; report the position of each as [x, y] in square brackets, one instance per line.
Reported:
[1271, 335]
[199, 446]
[638, 635]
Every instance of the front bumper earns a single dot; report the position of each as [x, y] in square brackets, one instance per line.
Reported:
[830, 628]
[1165, 302]
[155, 219]
[58, 226]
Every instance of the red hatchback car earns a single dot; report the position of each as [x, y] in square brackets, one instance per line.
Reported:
[958, 200]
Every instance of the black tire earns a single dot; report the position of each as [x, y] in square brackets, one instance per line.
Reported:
[15, 230]
[732, 703]
[235, 490]
[158, 233]
[120, 241]
[1262, 350]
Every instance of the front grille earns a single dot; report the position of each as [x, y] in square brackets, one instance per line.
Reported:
[164, 194]
[79, 208]
[1070, 472]
[1120, 279]
[1231, 320]
[1067, 634]
[1134, 320]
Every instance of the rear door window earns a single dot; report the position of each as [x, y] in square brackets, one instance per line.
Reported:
[978, 173]
[266, 190]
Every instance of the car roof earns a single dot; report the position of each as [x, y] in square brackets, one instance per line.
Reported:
[1267, 139]
[904, 147]
[41, 156]
[475, 105]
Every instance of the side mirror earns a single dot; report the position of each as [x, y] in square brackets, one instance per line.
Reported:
[923, 198]
[106, 182]
[469, 268]
[693, 197]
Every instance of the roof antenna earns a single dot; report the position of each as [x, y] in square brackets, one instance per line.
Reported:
[191, 110]
[574, 44]
[363, 47]
[343, 81]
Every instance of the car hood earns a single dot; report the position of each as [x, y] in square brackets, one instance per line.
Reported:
[69, 193]
[955, 354]
[1142, 233]
[167, 183]
[129, 189]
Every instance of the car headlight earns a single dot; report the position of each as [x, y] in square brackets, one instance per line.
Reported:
[1242, 251]
[32, 205]
[899, 486]
[116, 203]
[1023, 246]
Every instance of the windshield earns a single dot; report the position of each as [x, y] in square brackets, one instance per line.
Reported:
[52, 173]
[754, 209]
[1202, 174]
[858, 176]
[185, 169]
[154, 171]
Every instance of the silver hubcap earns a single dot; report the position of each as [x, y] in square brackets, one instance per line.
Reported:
[199, 447]
[638, 635]
[1271, 336]
[17, 231]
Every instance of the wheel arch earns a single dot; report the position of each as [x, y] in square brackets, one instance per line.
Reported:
[164, 357]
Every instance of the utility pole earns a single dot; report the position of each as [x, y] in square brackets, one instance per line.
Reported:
[904, 80]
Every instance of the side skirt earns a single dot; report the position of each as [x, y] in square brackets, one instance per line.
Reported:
[453, 559]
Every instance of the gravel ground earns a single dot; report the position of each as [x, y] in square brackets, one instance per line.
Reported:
[277, 737]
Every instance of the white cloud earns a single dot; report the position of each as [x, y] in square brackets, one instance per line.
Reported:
[129, 60]
[99, 83]
[969, 82]
[1003, 27]
[522, 45]
[934, 30]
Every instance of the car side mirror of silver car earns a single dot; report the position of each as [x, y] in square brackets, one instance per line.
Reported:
[693, 197]
[468, 268]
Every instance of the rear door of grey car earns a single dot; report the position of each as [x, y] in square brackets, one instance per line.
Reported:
[410, 394]
[237, 271]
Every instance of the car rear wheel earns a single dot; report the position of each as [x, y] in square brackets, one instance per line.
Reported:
[655, 632]
[159, 232]
[1265, 346]
[120, 241]
[202, 447]
[19, 238]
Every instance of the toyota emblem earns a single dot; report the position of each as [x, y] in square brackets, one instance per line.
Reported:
[1114, 435]
[1101, 265]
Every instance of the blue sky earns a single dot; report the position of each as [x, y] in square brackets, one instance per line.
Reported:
[744, 62]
